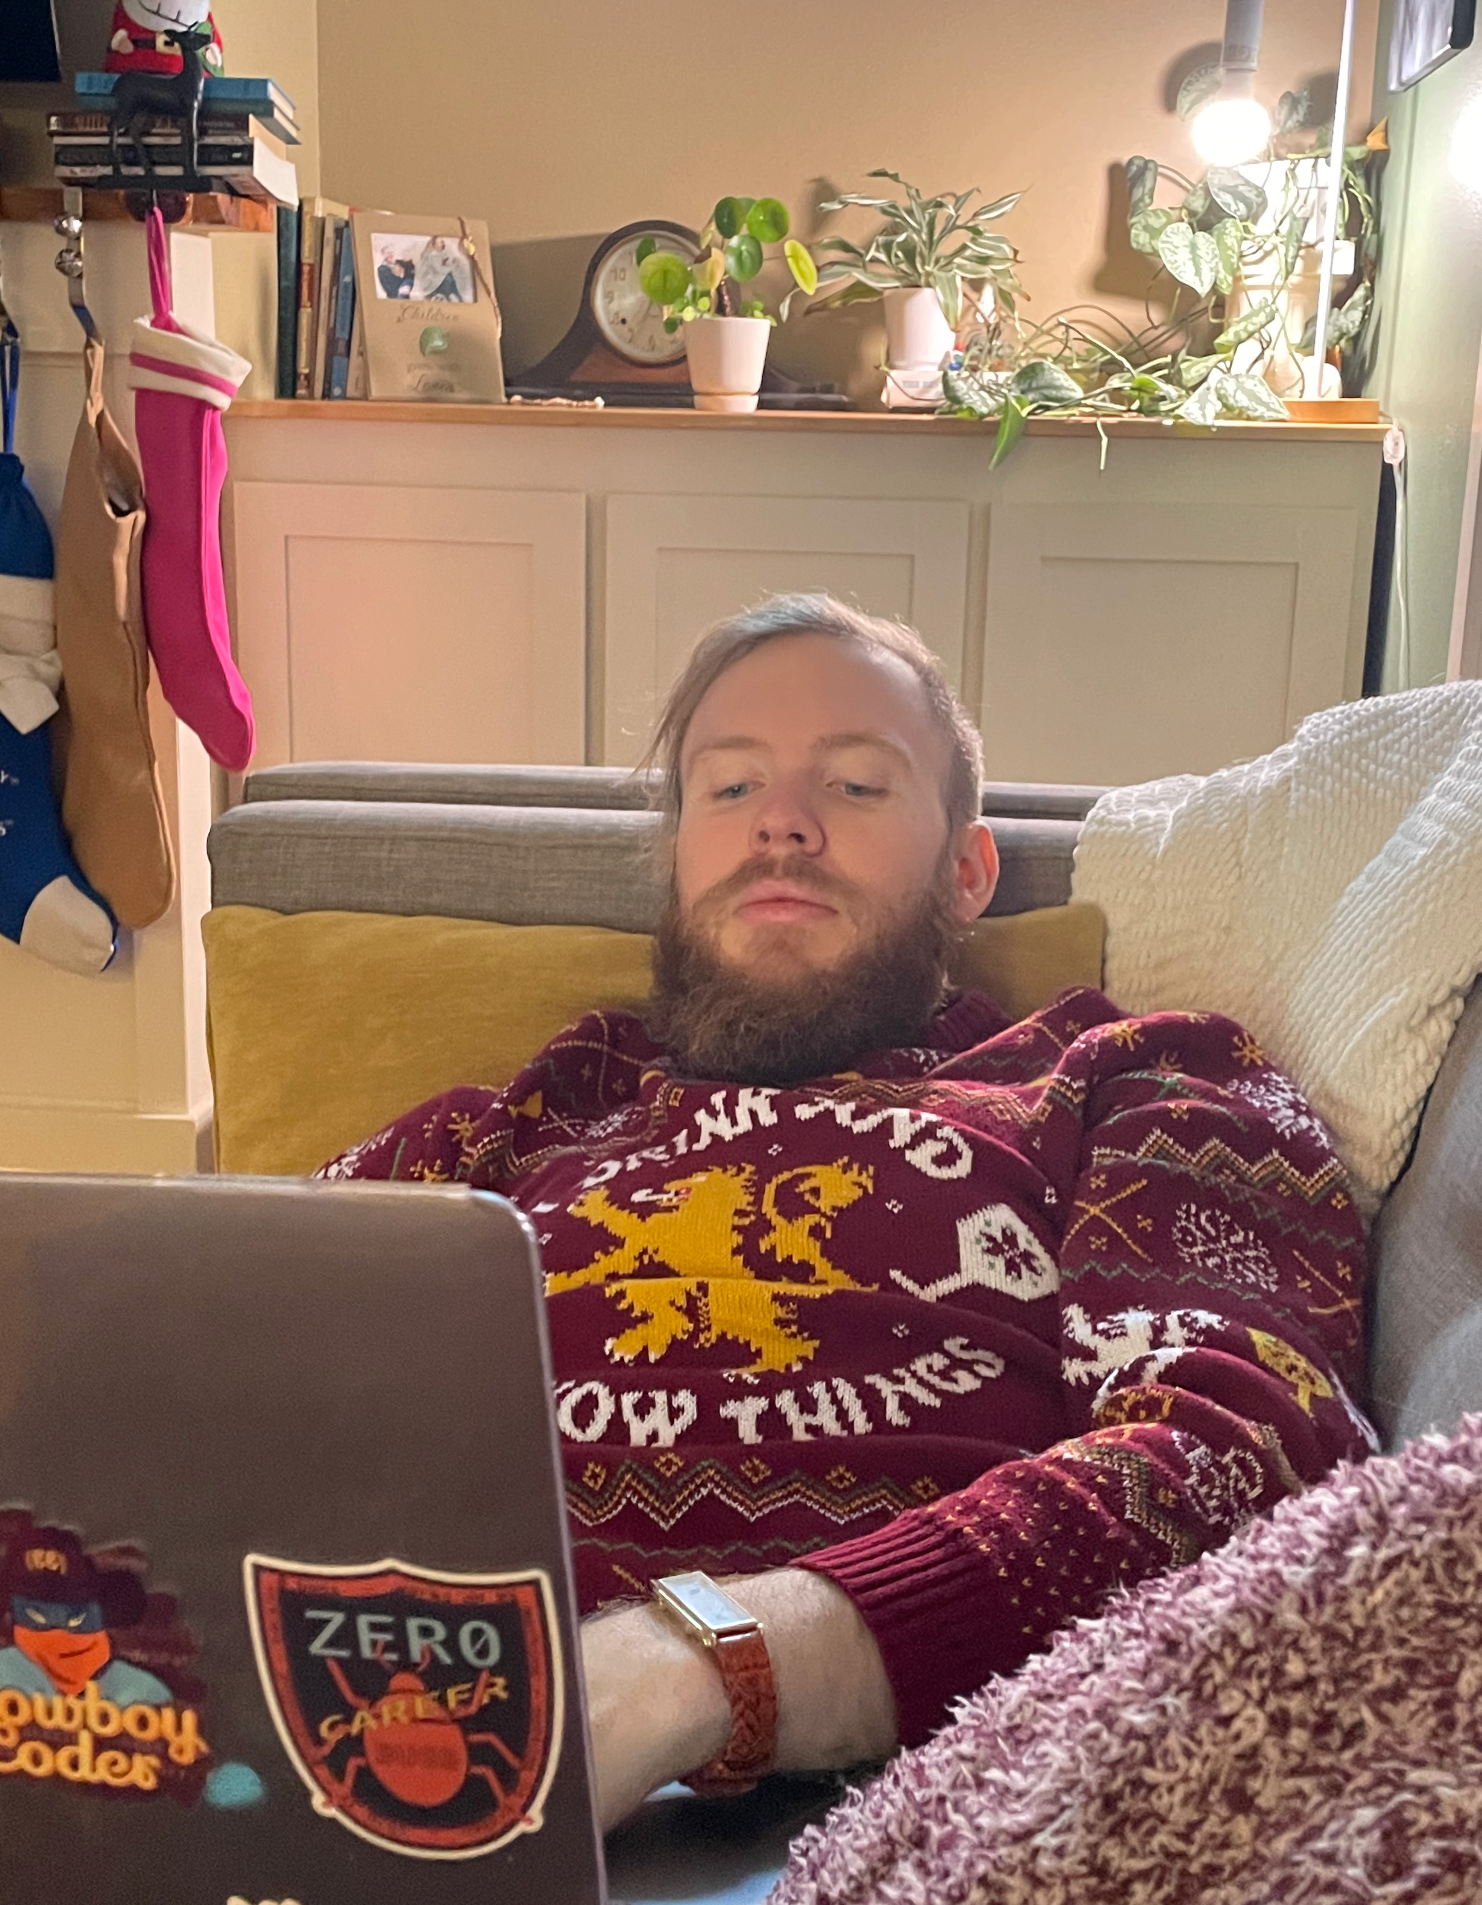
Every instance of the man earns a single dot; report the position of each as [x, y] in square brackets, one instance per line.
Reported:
[934, 1328]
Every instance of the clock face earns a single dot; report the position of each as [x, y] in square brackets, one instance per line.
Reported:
[632, 325]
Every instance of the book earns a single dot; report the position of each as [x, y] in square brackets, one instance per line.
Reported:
[219, 124]
[431, 320]
[358, 385]
[312, 214]
[288, 217]
[250, 168]
[229, 90]
[342, 319]
[331, 244]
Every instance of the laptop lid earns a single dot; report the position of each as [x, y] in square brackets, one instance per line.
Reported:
[285, 1591]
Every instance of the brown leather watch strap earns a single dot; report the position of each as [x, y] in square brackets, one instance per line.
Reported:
[746, 1672]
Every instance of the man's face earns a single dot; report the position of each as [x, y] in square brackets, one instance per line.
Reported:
[812, 809]
[817, 888]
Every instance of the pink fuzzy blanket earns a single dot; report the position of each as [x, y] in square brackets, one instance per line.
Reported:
[1296, 1719]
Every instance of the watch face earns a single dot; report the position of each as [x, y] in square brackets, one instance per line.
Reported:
[630, 323]
[700, 1601]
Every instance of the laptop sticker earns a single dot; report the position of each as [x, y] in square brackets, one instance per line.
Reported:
[422, 1710]
[96, 1687]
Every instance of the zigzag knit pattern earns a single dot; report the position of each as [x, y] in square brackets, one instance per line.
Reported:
[1328, 896]
[1296, 1717]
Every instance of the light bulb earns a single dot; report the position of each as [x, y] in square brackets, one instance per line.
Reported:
[1230, 131]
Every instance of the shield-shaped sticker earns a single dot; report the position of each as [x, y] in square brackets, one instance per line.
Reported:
[423, 1710]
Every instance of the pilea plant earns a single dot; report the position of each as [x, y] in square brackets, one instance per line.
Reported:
[1202, 360]
[732, 253]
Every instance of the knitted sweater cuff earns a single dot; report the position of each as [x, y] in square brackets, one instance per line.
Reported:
[921, 1592]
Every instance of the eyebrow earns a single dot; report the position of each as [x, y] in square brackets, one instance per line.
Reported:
[826, 744]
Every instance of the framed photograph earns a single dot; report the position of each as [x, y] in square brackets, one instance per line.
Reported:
[427, 309]
[1425, 34]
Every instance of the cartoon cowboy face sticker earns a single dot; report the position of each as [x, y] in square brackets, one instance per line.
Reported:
[61, 1604]
[73, 1706]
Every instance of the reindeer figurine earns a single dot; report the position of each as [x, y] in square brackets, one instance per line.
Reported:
[139, 97]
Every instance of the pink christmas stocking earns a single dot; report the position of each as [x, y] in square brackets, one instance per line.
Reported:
[182, 383]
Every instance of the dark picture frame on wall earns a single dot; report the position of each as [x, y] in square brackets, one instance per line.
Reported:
[1426, 33]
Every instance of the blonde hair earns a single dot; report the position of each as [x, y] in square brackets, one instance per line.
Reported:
[730, 641]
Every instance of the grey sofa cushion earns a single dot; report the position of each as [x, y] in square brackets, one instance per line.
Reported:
[523, 865]
[496, 786]
[1426, 1363]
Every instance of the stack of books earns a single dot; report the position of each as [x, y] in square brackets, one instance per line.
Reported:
[246, 129]
[320, 350]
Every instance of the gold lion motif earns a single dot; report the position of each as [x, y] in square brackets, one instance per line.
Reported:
[695, 1235]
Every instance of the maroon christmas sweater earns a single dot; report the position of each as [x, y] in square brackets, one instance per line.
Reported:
[982, 1331]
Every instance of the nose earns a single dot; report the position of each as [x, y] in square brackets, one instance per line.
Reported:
[785, 823]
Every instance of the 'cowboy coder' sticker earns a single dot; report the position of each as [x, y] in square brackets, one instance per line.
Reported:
[423, 1710]
[95, 1682]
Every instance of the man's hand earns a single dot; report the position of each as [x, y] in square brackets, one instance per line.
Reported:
[658, 1710]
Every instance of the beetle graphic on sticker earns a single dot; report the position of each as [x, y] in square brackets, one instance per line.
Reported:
[423, 1710]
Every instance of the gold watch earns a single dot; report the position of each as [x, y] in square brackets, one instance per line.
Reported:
[737, 1642]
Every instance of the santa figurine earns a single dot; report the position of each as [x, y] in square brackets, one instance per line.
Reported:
[143, 36]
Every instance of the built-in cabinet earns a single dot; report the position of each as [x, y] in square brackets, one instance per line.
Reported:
[478, 585]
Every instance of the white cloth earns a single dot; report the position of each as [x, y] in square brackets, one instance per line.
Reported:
[30, 667]
[185, 363]
[1328, 896]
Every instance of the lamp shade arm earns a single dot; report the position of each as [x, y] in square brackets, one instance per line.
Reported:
[1242, 48]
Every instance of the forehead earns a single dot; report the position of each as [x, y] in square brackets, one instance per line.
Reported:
[792, 692]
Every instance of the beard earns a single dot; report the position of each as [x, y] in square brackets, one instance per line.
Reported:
[786, 1019]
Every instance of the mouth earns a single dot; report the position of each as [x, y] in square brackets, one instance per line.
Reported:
[781, 902]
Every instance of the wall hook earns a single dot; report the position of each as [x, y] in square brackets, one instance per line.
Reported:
[70, 262]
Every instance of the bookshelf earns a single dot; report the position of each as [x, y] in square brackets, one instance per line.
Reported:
[206, 211]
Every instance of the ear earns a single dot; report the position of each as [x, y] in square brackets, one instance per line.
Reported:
[974, 870]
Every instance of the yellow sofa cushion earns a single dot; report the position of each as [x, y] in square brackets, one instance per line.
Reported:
[325, 1026]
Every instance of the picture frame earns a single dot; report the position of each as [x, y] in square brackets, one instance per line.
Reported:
[1425, 34]
[427, 309]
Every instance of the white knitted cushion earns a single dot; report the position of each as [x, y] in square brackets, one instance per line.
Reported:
[1328, 896]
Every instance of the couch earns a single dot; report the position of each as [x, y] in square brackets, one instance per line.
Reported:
[567, 846]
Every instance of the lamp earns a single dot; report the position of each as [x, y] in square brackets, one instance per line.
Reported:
[1235, 126]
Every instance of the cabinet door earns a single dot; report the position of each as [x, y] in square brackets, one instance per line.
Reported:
[381, 624]
[675, 564]
[1125, 643]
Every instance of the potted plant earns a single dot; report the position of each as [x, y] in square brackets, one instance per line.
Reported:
[725, 333]
[930, 259]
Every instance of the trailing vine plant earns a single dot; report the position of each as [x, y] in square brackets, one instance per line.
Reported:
[1200, 360]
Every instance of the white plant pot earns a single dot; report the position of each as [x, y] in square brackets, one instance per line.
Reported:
[917, 339]
[726, 358]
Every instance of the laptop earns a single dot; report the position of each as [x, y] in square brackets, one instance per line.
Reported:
[285, 1592]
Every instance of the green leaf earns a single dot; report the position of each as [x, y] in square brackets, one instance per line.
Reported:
[729, 215]
[646, 248]
[1011, 422]
[768, 221]
[800, 264]
[999, 206]
[1292, 234]
[1344, 324]
[1197, 90]
[664, 277]
[1146, 228]
[1197, 203]
[1227, 236]
[1292, 110]
[1249, 396]
[1258, 318]
[1191, 256]
[1192, 371]
[978, 394]
[1043, 384]
[1204, 405]
[1142, 182]
[708, 271]
[1234, 193]
[743, 257]
[948, 287]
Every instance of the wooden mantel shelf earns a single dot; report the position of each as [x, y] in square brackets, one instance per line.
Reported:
[216, 211]
[846, 422]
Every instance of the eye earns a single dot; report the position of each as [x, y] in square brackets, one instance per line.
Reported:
[77, 1620]
[733, 790]
[860, 790]
[36, 1617]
